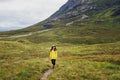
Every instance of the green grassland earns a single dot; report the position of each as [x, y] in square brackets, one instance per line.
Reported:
[86, 52]
[98, 61]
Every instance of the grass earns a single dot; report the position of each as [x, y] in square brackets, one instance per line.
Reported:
[77, 69]
[74, 62]
[22, 69]
[89, 34]
[84, 53]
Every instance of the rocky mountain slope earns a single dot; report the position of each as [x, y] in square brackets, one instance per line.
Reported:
[75, 8]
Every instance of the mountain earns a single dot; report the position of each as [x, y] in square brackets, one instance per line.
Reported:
[78, 12]
[75, 7]
[82, 9]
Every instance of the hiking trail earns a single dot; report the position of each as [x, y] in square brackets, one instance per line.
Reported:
[24, 35]
[46, 74]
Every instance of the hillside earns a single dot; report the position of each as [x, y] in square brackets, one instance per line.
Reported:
[86, 20]
[87, 36]
[78, 11]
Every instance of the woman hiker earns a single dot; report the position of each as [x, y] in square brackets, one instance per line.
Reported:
[53, 55]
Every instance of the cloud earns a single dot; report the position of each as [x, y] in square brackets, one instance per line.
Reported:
[22, 13]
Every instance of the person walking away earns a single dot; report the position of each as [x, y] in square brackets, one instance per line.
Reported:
[53, 55]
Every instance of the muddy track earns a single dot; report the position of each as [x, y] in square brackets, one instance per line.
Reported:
[46, 74]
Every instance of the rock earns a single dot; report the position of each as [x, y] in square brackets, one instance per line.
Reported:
[116, 13]
[84, 16]
[69, 23]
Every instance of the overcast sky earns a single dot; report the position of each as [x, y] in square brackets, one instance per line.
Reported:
[15, 14]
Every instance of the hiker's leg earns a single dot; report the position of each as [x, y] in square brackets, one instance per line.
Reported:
[54, 63]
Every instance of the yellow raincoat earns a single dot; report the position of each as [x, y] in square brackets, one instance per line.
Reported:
[53, 54]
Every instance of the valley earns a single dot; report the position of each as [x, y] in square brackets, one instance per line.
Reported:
[88, 48]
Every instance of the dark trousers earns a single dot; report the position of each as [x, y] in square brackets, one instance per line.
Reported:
[53, 61]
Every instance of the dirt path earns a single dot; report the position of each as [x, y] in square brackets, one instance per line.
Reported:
[24, 35]
[45, 75]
